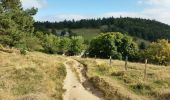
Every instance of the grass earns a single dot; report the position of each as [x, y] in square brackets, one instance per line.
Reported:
[87, 33]
[34, 76]
[119, 84]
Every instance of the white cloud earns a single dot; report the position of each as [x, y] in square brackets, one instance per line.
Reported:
[34, 3]
[158, 9]
[154, 9]
[60, 17]
[158, 3]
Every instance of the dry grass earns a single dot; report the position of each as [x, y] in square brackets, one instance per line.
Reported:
[130, 84]
[35, 76]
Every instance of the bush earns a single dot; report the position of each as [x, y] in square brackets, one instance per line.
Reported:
[76, 45]
[113, 44]
[23, 51]
[158, 52]
[50, 44]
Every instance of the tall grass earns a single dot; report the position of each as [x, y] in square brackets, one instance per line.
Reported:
[129, 85]
[34, 76]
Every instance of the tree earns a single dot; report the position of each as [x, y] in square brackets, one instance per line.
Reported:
[51, 43]
[113, 44]
[64, 45]
[16, 24]
[158, 52]
[76, 45]
[142, 28]
[142, 45]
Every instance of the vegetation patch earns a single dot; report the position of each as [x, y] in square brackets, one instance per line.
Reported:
[115, 79]
[141, 88]
[32, 76]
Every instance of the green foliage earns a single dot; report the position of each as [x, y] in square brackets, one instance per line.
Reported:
[142, 28]
[76, 45]
[23, 51]
[158, 52]
[51, 43]
[142, 45]
[16, 24]
[113, 44]
[64, 45]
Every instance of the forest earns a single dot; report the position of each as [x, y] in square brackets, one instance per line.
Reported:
[146, 29]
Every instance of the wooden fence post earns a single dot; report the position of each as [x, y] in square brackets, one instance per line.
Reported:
[126, 62]
[145, 73]
[110, 61]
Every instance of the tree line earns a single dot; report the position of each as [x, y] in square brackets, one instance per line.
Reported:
[142, 28]
[120, 46]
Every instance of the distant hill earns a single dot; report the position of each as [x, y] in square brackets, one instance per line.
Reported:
[142, 28]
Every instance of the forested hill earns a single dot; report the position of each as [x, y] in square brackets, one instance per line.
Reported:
[142, 28]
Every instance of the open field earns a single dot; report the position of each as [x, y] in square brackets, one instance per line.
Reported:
[35, 76]
[119, 84]
[88, 34]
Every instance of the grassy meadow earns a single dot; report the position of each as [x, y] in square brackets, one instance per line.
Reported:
[35, 76]
[116, 83]
[88, 34]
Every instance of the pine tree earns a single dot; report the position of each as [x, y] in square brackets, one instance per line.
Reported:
[16, 23]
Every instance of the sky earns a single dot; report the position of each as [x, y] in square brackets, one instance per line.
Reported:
[59, 10]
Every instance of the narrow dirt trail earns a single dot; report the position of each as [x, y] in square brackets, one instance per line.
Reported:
[74, 89]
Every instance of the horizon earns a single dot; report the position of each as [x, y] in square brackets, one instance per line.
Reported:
[60, 10]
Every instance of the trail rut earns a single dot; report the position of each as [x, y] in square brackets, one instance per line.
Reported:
[74, 89]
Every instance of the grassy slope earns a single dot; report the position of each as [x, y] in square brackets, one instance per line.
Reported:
[88, 34]
[120, 84]
[35, 76]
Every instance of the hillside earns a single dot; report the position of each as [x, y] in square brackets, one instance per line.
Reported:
[35, 76]
[142, 28]
[119, 84]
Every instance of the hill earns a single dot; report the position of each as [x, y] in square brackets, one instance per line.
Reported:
[141, 28]
[118, 84]
[31, 77]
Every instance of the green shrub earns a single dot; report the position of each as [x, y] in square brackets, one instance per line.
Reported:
[23, 51]
[158, 52]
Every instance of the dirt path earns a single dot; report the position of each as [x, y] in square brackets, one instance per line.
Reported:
[74, 89]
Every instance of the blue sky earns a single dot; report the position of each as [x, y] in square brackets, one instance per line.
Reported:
[88, 7]
[58, 10]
